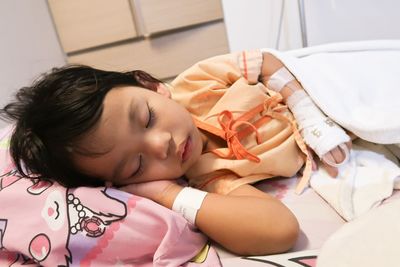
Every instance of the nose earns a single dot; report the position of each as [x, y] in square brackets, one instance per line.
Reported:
[159, 144]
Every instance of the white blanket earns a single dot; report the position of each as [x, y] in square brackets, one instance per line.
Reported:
[371, 240]
[363, 183]
[356, 84]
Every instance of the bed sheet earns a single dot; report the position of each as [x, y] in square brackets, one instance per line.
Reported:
[318, 222]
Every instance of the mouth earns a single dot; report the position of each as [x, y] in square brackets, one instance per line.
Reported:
[186, 149]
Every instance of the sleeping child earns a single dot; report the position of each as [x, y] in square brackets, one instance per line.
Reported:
[223, 124]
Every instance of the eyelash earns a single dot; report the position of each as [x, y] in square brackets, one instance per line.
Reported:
[152, 117]
[139, 171]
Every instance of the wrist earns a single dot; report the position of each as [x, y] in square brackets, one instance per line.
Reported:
[277, 77]
[168, 195]
[269, 65]
[320, 133]
[188, 202]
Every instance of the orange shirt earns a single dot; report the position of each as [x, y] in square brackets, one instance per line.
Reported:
[258, 134]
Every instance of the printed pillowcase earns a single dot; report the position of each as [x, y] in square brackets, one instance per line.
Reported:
[305, 258]
[45, 224]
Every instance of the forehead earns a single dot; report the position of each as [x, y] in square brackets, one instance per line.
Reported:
[98, 139]
[117, 105]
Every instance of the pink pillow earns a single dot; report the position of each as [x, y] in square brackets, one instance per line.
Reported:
[48, 224]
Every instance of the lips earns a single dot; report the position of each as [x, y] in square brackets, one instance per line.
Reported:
[186, 149]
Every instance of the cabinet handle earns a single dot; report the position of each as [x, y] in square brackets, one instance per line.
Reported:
[138, 18]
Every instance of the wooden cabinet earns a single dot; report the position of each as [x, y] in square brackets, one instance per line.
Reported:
[161, 15]
[164, 56]
[158, 36]
[89, 23]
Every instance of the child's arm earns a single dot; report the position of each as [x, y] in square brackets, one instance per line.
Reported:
[270, 66]
[246, 221]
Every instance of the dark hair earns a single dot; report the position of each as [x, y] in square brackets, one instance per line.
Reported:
[51, 115]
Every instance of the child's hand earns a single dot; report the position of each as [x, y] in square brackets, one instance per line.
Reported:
[162, 192]
[336, 155]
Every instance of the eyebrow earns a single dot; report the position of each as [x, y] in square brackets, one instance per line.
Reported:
[133, 106]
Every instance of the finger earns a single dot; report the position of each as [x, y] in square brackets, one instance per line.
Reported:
[349, 145]
[338, 155]
[108, 184]
[314, 165]
[332, 171]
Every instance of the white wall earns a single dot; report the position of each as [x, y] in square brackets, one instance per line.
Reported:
[351, 20]
[28, 47]
[255, 23]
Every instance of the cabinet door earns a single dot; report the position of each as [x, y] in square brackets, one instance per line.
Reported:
[160, 15]
[83, 24]
[164, 56]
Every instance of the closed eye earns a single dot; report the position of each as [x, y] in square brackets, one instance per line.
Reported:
[152, 117]
[140, 169]
[150, 122]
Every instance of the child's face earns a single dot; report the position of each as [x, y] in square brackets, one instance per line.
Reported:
[145, 136]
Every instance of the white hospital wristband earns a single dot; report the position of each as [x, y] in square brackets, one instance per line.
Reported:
[188, 202]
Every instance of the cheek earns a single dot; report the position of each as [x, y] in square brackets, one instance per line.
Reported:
[177, 111]
[91, 166]
[195, 157]
[164, 170]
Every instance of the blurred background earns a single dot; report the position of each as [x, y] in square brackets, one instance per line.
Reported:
[165, 37]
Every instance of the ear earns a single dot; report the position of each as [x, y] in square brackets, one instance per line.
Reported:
[145, 80]
[163, 89]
